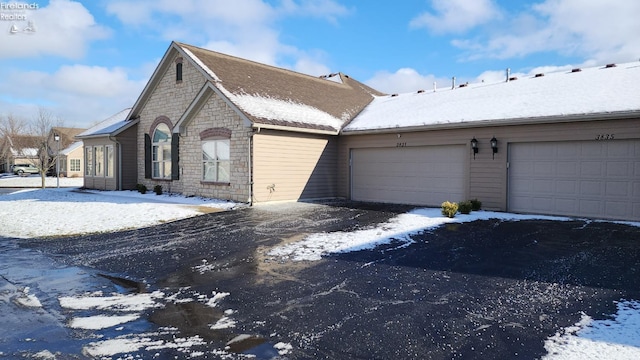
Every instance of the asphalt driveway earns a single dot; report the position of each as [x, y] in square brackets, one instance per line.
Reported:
[486, 289]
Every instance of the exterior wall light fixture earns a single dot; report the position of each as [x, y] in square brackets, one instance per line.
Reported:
[474, 146]
[494, 146]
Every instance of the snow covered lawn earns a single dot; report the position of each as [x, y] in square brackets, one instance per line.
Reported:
[33, 213]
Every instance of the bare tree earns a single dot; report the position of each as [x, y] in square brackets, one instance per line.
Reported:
[47, 153]
[11, 128]
[12, 125]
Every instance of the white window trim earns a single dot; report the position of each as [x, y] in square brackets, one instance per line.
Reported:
[216, 162]
[157, 149]
[109, 164]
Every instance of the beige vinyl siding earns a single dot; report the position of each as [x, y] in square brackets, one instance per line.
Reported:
[293, 166]
[77, 154]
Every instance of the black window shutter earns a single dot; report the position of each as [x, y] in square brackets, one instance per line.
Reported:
[175, 156]
[147, 156]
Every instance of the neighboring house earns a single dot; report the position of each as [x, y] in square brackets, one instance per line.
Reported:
[67, 149]
[71, 160]
[18, 149]
[219, 126]
[566, 143]
[104, 165]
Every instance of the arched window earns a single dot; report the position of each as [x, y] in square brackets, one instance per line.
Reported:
[178, 72]
[161, 152]
[179, 61]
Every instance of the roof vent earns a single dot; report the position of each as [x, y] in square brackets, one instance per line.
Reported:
[420, 91]
[539, 75]
[576, 70]
[610, 66]
[513, 78]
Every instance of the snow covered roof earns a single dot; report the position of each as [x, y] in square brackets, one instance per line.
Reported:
[110, 126]
[591, 92]
[24, 152]
[71, 147]
[269, 95]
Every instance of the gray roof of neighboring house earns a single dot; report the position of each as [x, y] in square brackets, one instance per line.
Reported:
[110, 126]
[268, 95]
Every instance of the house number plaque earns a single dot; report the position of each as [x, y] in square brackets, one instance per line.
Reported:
[604, 137]
[401, 144]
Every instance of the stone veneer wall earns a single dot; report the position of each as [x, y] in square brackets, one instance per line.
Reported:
[171, 99]
[216, 114]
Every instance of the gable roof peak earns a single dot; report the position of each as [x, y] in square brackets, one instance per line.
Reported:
[271, 96]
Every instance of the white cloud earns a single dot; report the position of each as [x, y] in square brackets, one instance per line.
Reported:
[63, 28]
[243, 28]
[404, 80]
[308, 65]
[325, 9]
[79, 94]
[599, 31]
[104, 82]
[456, 16]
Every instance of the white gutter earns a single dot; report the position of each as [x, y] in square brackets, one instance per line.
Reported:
[620, 115]
[295, 129]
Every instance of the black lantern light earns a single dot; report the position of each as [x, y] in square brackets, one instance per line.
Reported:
[494, 146]
[474, 146]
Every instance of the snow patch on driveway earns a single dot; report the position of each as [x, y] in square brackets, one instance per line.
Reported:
[397, 230]
[615, 338]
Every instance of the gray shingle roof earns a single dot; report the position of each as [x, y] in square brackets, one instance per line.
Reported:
[275, 96]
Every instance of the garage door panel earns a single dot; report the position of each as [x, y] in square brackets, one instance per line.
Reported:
[591, 168]
[425, 175]
[580, 178]
[616, 208]
[623, 169]
[567, 169]
[591, 188]
[542, 186]
[567, 187]
[566, 205]
[617, 189]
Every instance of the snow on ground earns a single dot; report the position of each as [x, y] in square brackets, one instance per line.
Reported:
[615, 338]
[618, 338]
[29, 213]
[397, 230]
[116, 302]
[51, 212]
[34, 181]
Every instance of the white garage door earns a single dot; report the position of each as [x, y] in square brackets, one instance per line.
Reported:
[595, 179]
[426, 175]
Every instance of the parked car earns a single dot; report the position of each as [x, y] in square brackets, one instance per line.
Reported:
[22, 169]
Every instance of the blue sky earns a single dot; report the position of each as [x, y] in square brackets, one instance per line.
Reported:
[87, 60]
